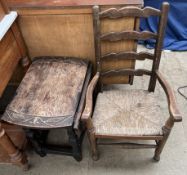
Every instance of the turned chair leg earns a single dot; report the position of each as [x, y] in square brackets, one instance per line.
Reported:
[93, 144]
[16, 157]
[161, 144]
[75, 144]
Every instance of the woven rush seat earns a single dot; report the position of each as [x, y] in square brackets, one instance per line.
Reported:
[49, 94]
[127, 112]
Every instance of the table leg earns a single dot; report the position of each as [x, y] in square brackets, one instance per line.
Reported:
[75, 144]
[16, 157]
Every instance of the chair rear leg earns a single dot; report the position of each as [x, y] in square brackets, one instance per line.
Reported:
[161, 144]
[93, 144]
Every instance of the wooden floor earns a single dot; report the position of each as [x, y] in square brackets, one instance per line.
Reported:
[120, 161]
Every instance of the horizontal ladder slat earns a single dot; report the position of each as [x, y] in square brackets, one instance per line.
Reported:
[131, 137]
[134, 35]
[130, 145]
[129, 56]
[114, 13]
[136, 72]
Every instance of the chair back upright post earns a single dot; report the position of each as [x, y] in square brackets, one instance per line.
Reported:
[97, 33]
[159, 45]
[114, 13]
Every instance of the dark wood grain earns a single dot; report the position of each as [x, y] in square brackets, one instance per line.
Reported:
[114, 13]
[97, 33]
[89, 98]
[129, 55]
[49, 94]
[82, 99]
[87, 114]
[130, 35]
[122, 136]
[130, 145]
[136, 72]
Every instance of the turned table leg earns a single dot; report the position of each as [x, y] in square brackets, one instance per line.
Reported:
[16, 157]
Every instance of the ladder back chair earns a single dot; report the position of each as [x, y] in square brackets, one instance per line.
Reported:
[128, 114]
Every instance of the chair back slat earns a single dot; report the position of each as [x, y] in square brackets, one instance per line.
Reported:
[136, 72]
[114, 13]
[119, 36]
[128, 35]
[128, 56]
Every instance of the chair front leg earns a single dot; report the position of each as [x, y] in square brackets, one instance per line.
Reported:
[92, 139]
[166, 132]
[93, 144]
[16, 157]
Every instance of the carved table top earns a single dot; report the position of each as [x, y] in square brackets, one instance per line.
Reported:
[49, 94]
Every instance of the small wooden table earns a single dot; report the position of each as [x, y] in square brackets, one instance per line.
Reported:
[51, 95]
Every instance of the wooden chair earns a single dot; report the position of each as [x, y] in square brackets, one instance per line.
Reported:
[128, 114]
[51, 95]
